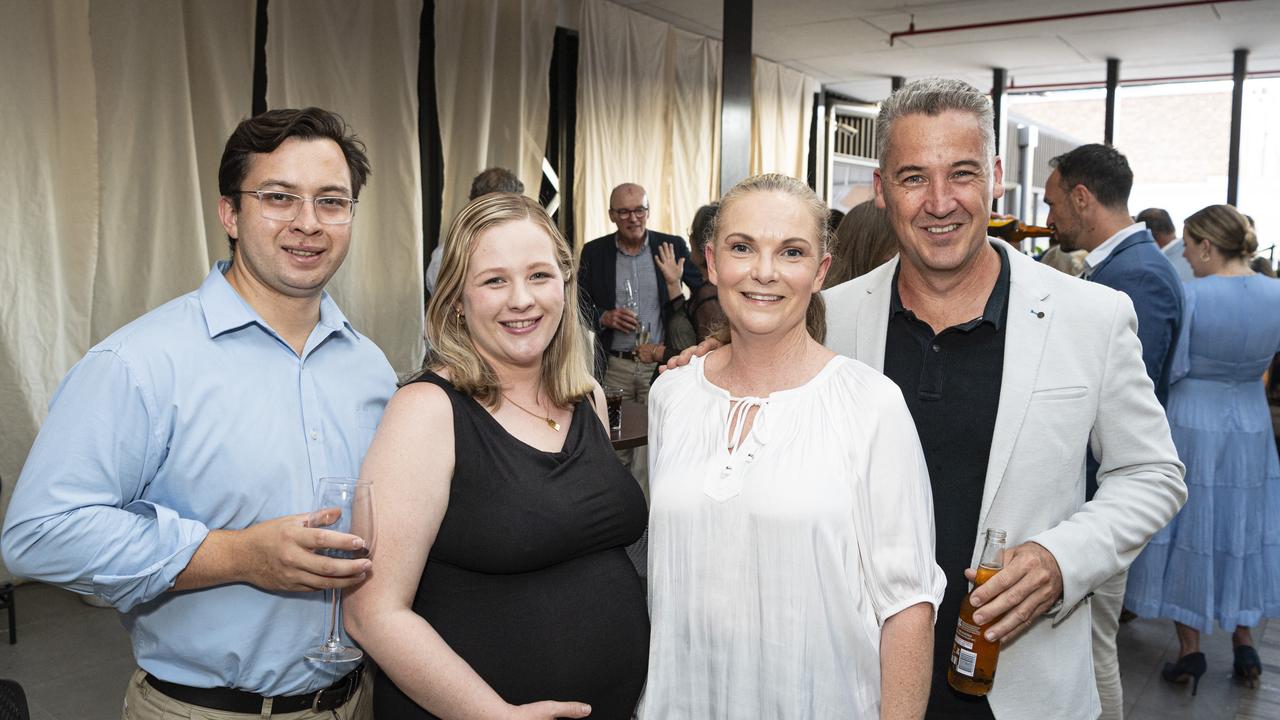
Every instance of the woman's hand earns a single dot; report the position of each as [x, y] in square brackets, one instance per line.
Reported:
[550, 710]
[671, 268]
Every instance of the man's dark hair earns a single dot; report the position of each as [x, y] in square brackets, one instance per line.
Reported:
[1101, 168]
[1157, 220]
[264, 133]
[495, 179]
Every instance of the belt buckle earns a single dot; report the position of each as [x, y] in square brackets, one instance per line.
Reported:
[346, 691]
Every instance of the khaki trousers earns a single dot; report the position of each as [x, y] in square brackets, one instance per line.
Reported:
[143, 702]
[1105, 606]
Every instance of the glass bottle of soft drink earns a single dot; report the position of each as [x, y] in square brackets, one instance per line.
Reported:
[973, 657]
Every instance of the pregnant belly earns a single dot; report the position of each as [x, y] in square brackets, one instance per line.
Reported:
[578, 630]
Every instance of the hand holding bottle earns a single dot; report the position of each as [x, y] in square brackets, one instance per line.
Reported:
[1029, 584]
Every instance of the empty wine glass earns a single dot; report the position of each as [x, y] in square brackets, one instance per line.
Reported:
[353, 499]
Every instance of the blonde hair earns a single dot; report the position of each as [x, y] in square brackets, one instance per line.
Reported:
[1226, 228]
[815, 316]
[566, 368]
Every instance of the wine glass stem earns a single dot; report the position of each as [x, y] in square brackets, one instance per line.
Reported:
[335, 615]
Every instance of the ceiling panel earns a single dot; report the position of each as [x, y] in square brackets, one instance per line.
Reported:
[844, 43]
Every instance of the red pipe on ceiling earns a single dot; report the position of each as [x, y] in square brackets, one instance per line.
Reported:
[1050, 18]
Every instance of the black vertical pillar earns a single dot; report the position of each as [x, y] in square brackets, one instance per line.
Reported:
[562, 122]
[1238, 68]
[999, 81]
[735, 98]
[430, 149]
[1113, 85]
[259, 101]
[897, 82]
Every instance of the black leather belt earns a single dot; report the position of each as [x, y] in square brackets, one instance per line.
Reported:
[241, 701]
[624, 354]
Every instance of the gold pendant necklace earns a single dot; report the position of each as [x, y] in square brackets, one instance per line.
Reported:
[550, 422]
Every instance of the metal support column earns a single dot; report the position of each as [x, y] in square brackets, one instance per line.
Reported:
[1113, 85]
[999, 82]
[1238, 68]
[735, 97]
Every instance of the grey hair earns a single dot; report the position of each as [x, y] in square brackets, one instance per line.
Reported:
[934, 96]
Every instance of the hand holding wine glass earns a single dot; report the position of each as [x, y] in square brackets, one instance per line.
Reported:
[343, 505]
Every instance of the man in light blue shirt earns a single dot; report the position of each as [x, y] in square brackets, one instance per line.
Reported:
[1166, 236]
[175, 472]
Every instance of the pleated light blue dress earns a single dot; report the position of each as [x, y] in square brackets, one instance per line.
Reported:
[1220, 557]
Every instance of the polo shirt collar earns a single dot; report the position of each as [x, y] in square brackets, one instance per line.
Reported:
[992, 313]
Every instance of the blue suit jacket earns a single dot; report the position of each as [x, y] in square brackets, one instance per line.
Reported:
[1138, 269]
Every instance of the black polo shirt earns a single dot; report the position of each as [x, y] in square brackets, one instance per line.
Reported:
[951, 382]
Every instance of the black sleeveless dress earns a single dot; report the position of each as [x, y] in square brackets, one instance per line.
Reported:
[528, 580]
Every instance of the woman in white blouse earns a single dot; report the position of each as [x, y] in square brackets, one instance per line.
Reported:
[791, 564]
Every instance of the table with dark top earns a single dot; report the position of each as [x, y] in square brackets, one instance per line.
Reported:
[635, 426]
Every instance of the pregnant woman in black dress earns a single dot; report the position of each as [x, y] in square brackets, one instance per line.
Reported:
[500, 586]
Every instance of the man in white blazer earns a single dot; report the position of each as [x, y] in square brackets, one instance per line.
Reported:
[1065, 366]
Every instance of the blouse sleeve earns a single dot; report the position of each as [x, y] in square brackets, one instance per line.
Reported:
[893, 508]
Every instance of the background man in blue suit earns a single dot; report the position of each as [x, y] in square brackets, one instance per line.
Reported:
[1088, 198]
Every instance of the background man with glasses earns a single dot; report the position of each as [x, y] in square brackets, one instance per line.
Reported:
[630, 283]
[174, 473]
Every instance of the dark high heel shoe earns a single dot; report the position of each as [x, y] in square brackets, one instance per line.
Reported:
[1248, 666]
[1189, 667]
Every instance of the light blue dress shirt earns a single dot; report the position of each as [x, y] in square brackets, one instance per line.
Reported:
[196, 416]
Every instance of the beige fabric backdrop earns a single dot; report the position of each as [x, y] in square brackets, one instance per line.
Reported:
[361, 61]
[492, 62]
[648, 112]
[781, 111]
[109, 130]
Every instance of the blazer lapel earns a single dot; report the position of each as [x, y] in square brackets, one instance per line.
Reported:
[873, 318]
[1026, 330]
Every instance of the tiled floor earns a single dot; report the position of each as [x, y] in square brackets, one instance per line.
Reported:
[74, 660]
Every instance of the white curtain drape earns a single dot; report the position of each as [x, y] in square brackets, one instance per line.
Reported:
[781, 111]
[114, 114]
[647, 112]
[492, 62]
[361, 61]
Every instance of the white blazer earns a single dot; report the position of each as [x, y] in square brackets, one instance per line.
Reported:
[1073, 377]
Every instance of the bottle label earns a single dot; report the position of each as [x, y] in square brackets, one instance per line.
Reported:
[966, 663]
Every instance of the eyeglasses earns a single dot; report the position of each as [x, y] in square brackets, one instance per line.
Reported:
[625, 213]
[330, 209]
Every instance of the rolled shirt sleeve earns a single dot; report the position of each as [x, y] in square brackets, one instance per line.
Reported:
[78, 517]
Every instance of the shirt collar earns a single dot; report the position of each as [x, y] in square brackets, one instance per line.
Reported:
[1099, 254]
[993, 313]
[224, 309]
[617, 246]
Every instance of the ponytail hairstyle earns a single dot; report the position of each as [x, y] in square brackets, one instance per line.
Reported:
[815, 317]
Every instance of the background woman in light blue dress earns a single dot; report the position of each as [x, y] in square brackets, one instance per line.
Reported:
[1220, 557]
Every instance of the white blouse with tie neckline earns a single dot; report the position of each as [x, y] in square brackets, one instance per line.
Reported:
[772, 565]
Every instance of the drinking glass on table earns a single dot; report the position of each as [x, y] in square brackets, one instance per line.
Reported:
[352, 498]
